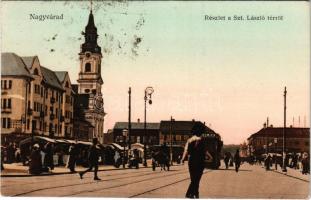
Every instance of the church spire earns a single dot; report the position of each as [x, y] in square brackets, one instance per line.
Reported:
[90, 36]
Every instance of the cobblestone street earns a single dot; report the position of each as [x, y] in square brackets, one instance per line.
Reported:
[252, 181]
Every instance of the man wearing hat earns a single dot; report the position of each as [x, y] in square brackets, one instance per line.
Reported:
[197, 151]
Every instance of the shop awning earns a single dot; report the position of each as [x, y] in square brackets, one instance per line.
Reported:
[37, 139]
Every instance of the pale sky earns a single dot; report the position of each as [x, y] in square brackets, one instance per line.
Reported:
[230, 74]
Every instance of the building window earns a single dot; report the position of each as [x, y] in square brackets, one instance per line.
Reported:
[87, 67]
[35, 72]
[87, 90]
[10, 84]
[28, 123]
[9, 103]
[3, 122]
[4, 103]
[6, 122]
[67, 84]
[306, 143]
[34, 124]
[5, 86]
[46, 93]
[41, 92]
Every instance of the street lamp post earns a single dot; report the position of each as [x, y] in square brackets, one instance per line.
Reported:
[148, 93]
[284, 134]
[125, 131]
[276, 156]
[275, 145]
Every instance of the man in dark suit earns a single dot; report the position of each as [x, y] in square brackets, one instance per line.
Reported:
[196, 149]
[93, 160]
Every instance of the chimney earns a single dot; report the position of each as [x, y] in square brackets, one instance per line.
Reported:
[193, 120]
[265, 125]
[138, 120]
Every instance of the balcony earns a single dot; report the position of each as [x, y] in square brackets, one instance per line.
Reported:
[52, 100]
[6, 110]
[52, 116]
[29, 111]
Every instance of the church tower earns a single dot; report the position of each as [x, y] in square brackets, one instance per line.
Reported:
[90, 81]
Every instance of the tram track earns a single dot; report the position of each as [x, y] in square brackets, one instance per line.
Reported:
[40, 182]
[126, 184]
[163, 186]
[95, 182]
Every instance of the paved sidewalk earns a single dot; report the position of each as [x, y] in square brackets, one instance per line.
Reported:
[18, 170]
[294, 173]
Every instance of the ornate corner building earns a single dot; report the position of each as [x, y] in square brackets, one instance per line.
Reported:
[90, 81]
[34, 100]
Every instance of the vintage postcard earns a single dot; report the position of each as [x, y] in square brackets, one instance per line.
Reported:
[155, 99]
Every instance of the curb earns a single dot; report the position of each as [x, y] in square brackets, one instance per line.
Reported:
[60, 173]
[284, 173]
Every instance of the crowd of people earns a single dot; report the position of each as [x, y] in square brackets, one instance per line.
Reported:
[297, 161]
[10, 153]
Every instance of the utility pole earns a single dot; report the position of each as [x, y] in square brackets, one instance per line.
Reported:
[129, 120]
[171, 148]
[284, 134]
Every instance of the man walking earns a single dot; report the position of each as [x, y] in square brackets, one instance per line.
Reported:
[197, 151]
[72, 158]
[237, 160]
[93, 160]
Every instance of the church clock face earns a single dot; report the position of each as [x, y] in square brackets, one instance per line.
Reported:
[88, 55]
[99, 102]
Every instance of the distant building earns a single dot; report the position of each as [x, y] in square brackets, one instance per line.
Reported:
[108, 137]
[270, 139]
[137, 132]
[33, 99]
[181, 131]
[157, 133]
